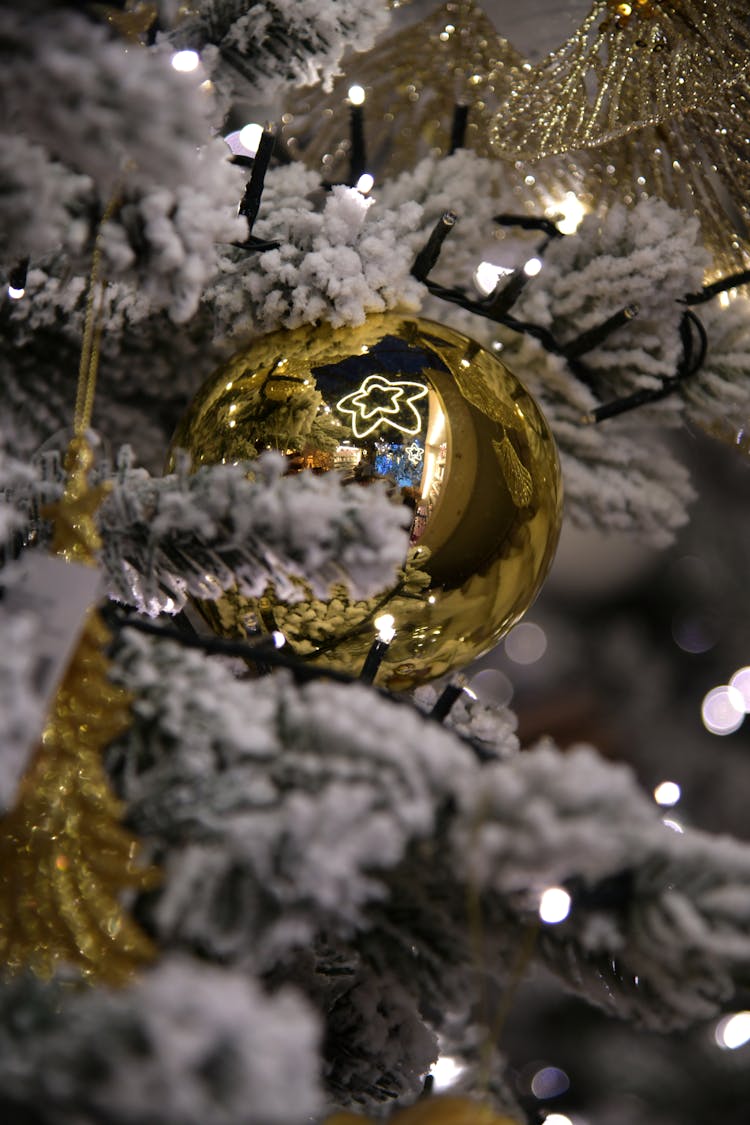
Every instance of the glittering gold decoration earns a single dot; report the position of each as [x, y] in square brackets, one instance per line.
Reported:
[132, 22]
[698, 162]
[628, 65]
[464, 446]
[443, 1110]
[63, 855]
[412, 82]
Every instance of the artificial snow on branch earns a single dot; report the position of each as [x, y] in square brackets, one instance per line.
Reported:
[620, 476]
[169, 537]
[335, 263]
[104, 107]
[337, 812]
[252, 49]
[720, 392]
[289, 800]
[666, 949]
[36, 202]
[201, 1043]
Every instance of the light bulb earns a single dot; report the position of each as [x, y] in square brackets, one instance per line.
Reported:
[554, 905]
[185, 61]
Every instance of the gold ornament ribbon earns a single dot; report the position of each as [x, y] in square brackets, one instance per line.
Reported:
[63, 855]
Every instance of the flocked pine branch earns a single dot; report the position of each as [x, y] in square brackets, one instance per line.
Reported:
[253, 49]
[338, 813]
[103, 107]
[171, 537]
[335, 263]
[101, 120]
[201, 1043]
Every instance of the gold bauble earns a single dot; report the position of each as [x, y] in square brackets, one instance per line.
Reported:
[456, 434]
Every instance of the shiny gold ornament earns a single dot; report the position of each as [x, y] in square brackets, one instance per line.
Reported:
[63, 856]
[456, 435]
[628, 66]
[434, 1111]
[412, 82]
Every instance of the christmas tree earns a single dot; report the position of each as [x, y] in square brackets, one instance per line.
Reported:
[309, 307]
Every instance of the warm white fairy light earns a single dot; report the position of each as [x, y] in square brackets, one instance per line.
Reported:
[667, 793]
[385, 627]
[554, 905]
[365, 182]
[445, 1072]
[733, 1031]
[356, 95]
[532, 267]
[185, 61]
[568, 213]
[487, 275]
[249, 137]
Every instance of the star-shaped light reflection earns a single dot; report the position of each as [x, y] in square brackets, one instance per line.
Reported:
[381, 402]
[414, 453]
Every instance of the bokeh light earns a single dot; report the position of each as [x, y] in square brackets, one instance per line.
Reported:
[526, 643]
[549, 1082]
[667, 793]
[733, 1031]
[740, 681]
[492, 686]
[723, 710]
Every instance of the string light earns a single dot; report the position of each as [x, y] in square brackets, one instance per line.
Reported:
[667, 793]
[554, 905]
[446, 1072]
[356, 95]
[487, 275]
[249, 137]
[733, 1031]
[532, 267]
[16, 294]
[385, 626]
[365, 182]
[185, 61]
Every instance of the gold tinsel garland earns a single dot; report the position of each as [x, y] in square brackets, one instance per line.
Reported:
[628, 65]
[412, 82]
[63, 855]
